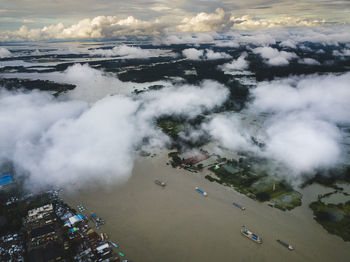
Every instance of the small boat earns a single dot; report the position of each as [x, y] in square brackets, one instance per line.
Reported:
[285, 244]
[201, 191]
[160, 183]
[238, 205]
[114, 244]
[121, 254]
[245, 232]
[105, 235]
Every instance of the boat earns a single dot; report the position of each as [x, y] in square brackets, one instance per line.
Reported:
[252, 236]
[238, 205]
[285, 244]
[105, 235]
[160, 183]
[201, 191]
[114, 244]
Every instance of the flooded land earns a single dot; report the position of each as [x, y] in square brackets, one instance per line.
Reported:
[176, 223]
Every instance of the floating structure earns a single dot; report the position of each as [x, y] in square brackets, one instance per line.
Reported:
[160, 183]
[201, 191]
[98, 221]
[252, 236]
[285, 244]
[238, 205]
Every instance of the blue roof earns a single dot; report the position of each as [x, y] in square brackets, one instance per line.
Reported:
[5, 179]
[80, 216]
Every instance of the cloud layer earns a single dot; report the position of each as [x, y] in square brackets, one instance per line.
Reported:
[70, 143]
[300, 123]
[116, 26]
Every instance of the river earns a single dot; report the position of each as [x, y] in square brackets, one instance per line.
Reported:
[176, 223]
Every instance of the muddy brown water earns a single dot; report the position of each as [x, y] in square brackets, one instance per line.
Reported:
[176, 223]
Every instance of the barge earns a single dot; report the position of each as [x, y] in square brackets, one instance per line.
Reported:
[201, 191]
[160, 183]
[285, 244]
[238, 205]
[252, 236]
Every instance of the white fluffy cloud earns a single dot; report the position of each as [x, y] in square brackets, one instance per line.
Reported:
[186, 38]
[207, 54]
[248, 22]
[228, 131]
[130, 52]
[300, 123]
[325, 96]
[273, 56]
[4, 52]
[192, 53]
[308, 61]
[238, 64]
[204, 22]
[69, 143]
[302, 142]
[211, 55]
[98, 27]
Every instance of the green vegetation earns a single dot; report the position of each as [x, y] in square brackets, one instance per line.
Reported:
[170, 127]
[334, 218]
[257, 186]
[330, 177]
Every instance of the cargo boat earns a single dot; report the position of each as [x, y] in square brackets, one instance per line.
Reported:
[201, 191]
[238, 205]
[114, 244]
[160, 183]
[245, 232]
[285, 244]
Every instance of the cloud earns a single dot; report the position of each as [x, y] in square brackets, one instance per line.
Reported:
[98, 27]
[326, 96]
[207, 54]
[303, 143]
[228, 131]
[248, 22]
[211, 55]
[192, 53]
[297, 118]
[273, 56]
[238, 64]
[185, 38]
[204, 22]
[289, 43]
[131, 52]
[308, 61]
[4, 52]
[73, 143]
[343, 52]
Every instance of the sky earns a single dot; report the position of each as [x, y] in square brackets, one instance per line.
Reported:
[34, 19]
